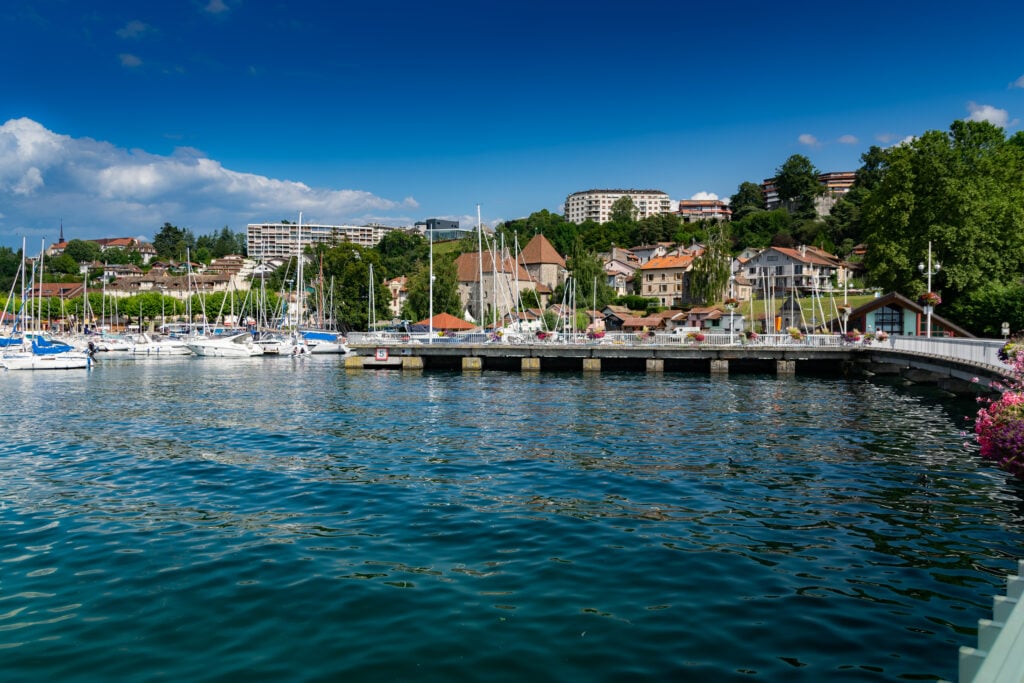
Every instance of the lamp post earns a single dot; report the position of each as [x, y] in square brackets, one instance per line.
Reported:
[929, 270]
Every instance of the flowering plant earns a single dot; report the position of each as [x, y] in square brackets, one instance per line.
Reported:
[930, 299]
[749, 335]
[542, 335]
[731, 303]
[853, 336]
[1013, 347]
[695, 336]
[595, 334]
[795, 332]
[999, 425]
[645, 334]
[881, 335]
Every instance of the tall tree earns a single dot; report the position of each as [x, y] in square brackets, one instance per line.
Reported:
[709, 276]
[797, 183]
[623, 210]
[171, 242]
[83, 251]
[963, 192]
[446, 291]
[748, 198]
[401, 253]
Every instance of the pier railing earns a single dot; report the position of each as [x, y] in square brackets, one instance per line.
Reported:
[980, 352]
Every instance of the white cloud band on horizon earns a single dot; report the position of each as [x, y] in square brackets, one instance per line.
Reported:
[101, 190]
[704, 195]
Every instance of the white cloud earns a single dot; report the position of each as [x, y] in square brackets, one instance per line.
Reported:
[848, 139]
[1019, 83]
[129, 60]
[986, 112]
[106, 190]
[705, 195]
[216, 7]
[133, 29]
[885, 138]
[808, 139]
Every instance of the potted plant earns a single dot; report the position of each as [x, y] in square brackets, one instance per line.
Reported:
[696, 337]
[731, 303]
[930, 299]
[748, 336]
[795, 333]
[881, 335]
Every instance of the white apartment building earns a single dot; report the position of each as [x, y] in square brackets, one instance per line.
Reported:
[596, 205]
[281, 240]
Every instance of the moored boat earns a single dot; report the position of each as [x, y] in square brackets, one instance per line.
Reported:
[238, 345]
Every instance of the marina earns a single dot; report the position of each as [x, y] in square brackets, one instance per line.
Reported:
[177, 523]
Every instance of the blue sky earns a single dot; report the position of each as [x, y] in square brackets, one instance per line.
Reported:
[118, 116]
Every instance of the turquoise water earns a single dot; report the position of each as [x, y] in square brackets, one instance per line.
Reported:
[283, 519]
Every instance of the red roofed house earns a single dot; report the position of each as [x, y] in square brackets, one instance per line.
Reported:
[803, 268]
[663, 278]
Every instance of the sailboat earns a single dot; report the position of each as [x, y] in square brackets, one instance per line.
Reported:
[37, 351]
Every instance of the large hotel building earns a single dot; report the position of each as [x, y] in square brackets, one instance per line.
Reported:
[596, 205]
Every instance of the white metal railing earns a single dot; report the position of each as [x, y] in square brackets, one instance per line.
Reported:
[978, 351]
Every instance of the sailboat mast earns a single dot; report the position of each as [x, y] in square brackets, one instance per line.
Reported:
[480, 248]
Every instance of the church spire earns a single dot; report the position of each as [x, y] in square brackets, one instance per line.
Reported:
[61, 240]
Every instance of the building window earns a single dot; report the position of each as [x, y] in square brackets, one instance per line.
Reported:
[889, 319]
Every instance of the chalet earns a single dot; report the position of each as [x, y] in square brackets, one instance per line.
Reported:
[804, 268]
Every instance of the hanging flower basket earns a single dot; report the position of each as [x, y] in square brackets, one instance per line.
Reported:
[795, 333]
[1012, 348]
[881, 335]
[696, 337]
[748, 335]
[844, 311]
[731, 303]
[595, 335]
[542, 335]
[930, 299]
[853, 336]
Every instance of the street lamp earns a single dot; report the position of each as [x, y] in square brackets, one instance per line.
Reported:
[929, 270]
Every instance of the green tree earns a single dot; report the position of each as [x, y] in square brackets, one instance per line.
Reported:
[172, 242]
[348, 266]
[748, 198]
[623, 210]
[961, 191]
[592, 289]
[83, 251]
[401, 253]
[797, 184]
[63, 263]
[446, 292]
[710, 273]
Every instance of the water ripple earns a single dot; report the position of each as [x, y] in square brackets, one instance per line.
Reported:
[291, 520]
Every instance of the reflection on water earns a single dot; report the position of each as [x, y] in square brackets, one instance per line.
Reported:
[282, 518]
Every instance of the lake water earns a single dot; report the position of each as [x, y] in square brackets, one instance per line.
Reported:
[284, 519]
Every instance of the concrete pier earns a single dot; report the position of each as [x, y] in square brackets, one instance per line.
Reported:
[529, 364]
[412, 362]
[591, 365]
[785, 367]
[655, 365]
[719, 367]
[472, 364]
